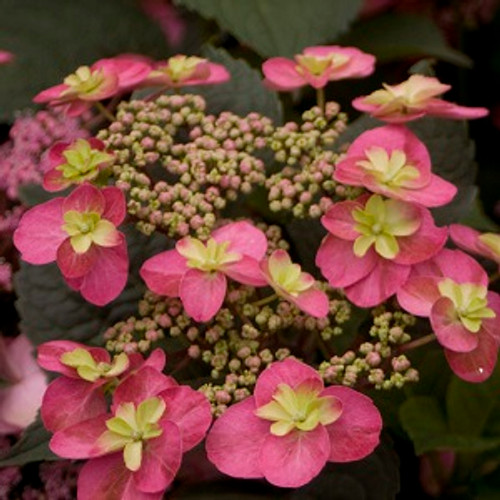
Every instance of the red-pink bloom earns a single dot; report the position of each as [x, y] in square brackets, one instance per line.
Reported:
[79, 233]
[372, 245]
[180, 70]
[412, 99]
[136, 449]
[452, 291]
[393, 162]
[23, 384]
[80, 393]
[289, 282]
[484, 244]
[75, 163]
[292, 426]
[6, 57]
[196, 271]
[317, 66]
[168, 17]
[105, 78]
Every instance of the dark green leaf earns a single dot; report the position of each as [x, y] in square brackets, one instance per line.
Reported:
[279, 27]
[243, 94]
[50, 310]
[399, 36]
[31, 447]
[51, 39]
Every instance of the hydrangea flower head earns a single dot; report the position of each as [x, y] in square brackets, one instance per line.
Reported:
[372, 244]
[393, 162]
[316, 66]
[412, 99]
[181, 70]
[292, 426]
[75, 163]
[79, 233]
[296, 286]
[196, 271]
[452, 291]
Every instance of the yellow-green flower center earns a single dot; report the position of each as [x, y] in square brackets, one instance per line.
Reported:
[317, 65]
[131, 427]
[470, 301]
[83, 81]
[391, 170]
[380, 223]
[287, 275]
[86, 228]
[206, 257]
[180, 68]
[301, 408]
[82, 161]
[492, 241]
[89, 369]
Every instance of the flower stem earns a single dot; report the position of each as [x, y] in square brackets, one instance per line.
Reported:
[320, 99]
[418, 342]
[104, 111]
[265, 300]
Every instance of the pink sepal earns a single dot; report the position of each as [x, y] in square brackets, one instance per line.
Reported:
[247, 271]
[73, 264]
[132, 69]
[163, 272]
[281, 74]
[85, 198]
[313, 302]
[356, 433]
[418, 294]
[115, 207]
[244, 239]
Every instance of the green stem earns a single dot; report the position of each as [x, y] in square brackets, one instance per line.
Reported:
[265, 300]
[104, 111]
[418, 342]
[320, 99]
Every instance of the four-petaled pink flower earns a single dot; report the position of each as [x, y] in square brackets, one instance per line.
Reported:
[136, 450]
[105, 78]
[79, 233]
[292, 426]
[316, 66]
[181, 70]
[484, 244]
[393, 162]
[289, 282]
[75, 163]
[372, 244]
[412, 99]
[452, 291]
[23, 384]
[196, 271]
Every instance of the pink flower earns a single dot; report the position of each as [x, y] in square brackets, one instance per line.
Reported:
[75, 163]
[412, 99]
[393, 162]
[105, 78]
[484, 244]
[79, 233]
[87, 372]
[23, 384]
[292, 426]
[136, 449]
[289, 282]
[452, 291]
[372, 244]
[180, 70]
[316, 66]
[196, 271]
[6, 57]
[169, 19]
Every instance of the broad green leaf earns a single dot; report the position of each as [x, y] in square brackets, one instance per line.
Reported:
[50, 310]
[31, 447]
[279, 27]
[51, 39]
[243, 93]
[398, 36]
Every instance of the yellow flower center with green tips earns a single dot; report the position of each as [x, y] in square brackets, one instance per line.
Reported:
[289, 276]
[86, 228]
[300, 408]
[89, 369]
[470, 301]
[207, 257]
[380, 223]
[82, 161]
[317, 65]
[492, 241]
[180, 68]
[83, 81]
[131, 427]
[390, 170]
